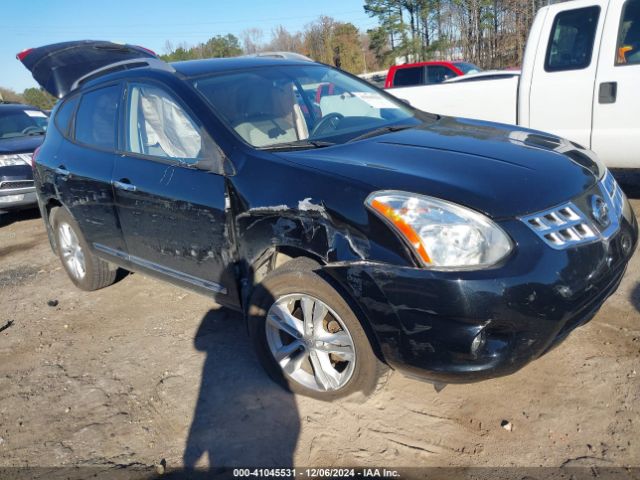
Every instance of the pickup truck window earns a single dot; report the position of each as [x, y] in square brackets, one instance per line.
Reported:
[628, 45]
[438, 74]
[406, 77]
[572, 37]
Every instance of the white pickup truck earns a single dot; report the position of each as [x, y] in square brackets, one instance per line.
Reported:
[580, 80]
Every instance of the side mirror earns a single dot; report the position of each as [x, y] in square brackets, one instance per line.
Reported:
[214, 160]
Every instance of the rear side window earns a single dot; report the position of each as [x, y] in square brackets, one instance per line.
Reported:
[64, 114]
[628, 45]
[572, 38]
[405, 77]
[96, 119]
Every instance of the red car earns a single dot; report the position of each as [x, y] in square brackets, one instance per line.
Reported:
[426, 73]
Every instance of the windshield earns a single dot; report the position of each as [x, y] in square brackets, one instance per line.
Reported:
[467, 67]
[309, 105]
[22, 123]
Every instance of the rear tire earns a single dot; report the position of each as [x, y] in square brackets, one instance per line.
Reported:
[86, 270]
[323, 349]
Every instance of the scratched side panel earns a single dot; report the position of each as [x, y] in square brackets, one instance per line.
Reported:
[87, 191]
[177, 219]
[279, 204]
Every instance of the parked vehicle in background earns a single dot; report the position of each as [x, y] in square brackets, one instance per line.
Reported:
[375, 78]
[286, 55]
[22, 130]
[361, 234]
[580, 78]
[426, 73]
[485, 75]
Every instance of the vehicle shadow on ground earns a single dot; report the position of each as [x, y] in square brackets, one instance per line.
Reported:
[17, 216]
[635, 297]
[241, 417]
[629, 180]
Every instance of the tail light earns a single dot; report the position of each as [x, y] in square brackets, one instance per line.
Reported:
[23, 54]
[35, 156]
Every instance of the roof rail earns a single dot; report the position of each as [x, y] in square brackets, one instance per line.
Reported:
[124, 65]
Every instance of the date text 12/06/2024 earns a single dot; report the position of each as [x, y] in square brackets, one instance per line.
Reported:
[316, 473]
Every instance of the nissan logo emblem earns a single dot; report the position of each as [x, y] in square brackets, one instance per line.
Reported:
[600, 211]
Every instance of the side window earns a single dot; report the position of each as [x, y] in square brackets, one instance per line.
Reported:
[628, 45]
[158, 126]
[96, 120]
[572, 37]
[64, 114]
[438, 74]
[406, 77]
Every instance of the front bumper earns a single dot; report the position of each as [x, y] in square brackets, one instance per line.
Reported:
[425, 322]
[16, 199]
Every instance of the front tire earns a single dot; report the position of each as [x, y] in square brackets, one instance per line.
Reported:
[308, 338]
[84, 268]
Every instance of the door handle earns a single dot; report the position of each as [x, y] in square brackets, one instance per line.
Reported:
[608, 92]
[124, 184]
[62, 171]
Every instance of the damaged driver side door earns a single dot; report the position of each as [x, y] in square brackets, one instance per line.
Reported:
[170, 194]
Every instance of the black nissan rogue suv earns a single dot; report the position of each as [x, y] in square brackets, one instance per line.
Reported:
[355, 232]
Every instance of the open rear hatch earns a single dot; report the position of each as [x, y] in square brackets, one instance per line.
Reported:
[58, 67]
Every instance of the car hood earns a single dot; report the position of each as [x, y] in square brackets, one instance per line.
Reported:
[20, 144]
[500, 170]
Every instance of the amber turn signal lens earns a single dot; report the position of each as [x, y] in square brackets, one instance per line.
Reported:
[409, 233]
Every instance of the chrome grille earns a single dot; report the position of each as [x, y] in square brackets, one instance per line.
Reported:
[562, 226]
[13, 184]
[567, 225]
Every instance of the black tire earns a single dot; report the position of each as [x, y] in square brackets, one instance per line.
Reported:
[98, 273]
[297, 277]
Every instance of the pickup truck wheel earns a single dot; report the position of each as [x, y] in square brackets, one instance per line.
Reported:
[308, 338]
[86, 270]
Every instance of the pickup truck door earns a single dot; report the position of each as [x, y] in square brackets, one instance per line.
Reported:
[616, 100]
[174, 213]
[564, 70]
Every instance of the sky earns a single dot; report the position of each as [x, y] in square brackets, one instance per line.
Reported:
[150, 23]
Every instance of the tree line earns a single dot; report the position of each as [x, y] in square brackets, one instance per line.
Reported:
[489, 33]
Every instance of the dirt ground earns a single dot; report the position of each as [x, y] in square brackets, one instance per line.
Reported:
[143, 371]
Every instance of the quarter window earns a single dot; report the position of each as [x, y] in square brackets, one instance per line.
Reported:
[158, 126]
[628, 45]
[572, 38]
[64, 114]
[96, 119]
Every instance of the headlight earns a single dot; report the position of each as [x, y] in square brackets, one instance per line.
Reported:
[15, 159]
[442, 234]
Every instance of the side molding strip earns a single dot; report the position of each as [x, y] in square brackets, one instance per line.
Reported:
[185, 277]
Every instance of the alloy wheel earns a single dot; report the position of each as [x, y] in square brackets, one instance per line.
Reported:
[72, 253]
[310, 342]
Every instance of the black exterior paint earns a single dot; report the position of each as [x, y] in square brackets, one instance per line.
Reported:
[224, 228]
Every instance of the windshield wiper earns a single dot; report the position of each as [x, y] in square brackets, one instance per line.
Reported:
[298, 144]
[380, 131]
